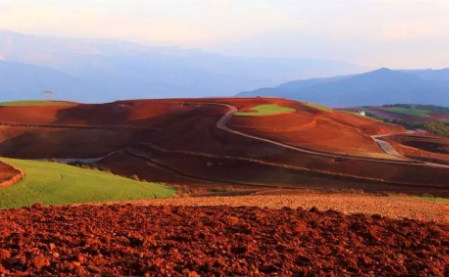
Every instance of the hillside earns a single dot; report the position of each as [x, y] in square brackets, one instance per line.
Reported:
[380, 87]
[102, 70]
[58, 184]
[204, 142]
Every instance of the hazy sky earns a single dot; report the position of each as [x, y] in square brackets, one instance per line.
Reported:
[393, 33]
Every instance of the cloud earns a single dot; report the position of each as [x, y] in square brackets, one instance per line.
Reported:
[170, 22]
[392, 32]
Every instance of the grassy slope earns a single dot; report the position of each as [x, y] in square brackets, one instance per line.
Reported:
[423, 198]
[36, 103]
[319, 107]
[264, 110]
[57, 184]
[412, 112]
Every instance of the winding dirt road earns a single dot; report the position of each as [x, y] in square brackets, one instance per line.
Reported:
[221, 124]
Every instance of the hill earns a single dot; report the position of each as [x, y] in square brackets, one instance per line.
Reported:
[58, 184]
[383, 86]
[206, 144]
[103, 70]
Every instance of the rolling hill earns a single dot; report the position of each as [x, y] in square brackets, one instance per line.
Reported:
[380, 87]
[59, 184]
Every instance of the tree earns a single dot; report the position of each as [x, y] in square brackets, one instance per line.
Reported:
[48, 94]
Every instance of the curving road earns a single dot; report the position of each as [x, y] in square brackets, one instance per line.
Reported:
[221, 124]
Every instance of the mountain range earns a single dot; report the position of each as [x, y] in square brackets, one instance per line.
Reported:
[99, 70]
[379, 87]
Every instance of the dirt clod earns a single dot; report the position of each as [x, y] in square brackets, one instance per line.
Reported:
[127, 240]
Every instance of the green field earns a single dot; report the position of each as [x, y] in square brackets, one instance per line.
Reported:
[58, 184]
[412, 112]
[424, 198]
[319, 107]
[264, 110]
[36, 103]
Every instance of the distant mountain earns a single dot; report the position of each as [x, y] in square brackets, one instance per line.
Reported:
[23, 81]
[431, 74]
[118, 69]
[380, 87]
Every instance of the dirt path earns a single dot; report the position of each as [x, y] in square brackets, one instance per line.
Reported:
[387, 148]
[221, 124]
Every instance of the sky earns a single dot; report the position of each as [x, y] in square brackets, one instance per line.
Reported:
[374, 33]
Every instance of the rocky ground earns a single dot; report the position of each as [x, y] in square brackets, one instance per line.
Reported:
[132, 240]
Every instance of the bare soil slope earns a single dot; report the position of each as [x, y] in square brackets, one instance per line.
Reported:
[199, 141]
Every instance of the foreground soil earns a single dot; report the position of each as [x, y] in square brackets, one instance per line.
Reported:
[348, 203]
[127, 240]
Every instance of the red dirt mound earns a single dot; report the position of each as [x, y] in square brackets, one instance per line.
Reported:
[335, 132]
[9, 175]
[216, 241]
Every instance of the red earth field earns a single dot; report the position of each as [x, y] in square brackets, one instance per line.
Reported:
[421, 146]
[9, 175]
[128, 240]
[199, 141]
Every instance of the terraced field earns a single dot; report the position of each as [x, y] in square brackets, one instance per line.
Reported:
[202, 142]
[411, 112]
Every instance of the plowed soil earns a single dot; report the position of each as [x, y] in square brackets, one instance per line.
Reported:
[216, 241]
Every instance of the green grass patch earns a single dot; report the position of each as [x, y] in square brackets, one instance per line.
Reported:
[59, 184]
[411, 112]
[425, 198]
[264, 110]
[36, 103]
[319, 107]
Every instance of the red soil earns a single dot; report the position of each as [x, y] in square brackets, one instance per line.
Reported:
[6, 171]
[180, 137]
[441, 117]
[9, 175]
[421, 146]
[336, 132]
[220, 241]
[43, 143]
